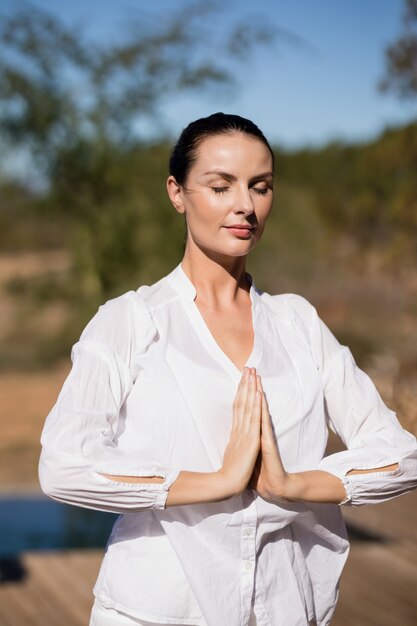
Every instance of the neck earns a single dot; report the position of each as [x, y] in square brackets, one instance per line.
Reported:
[218, 282]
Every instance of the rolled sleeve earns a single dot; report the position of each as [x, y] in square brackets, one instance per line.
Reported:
[79, 438]
[372, 434]
[153, 494]
[355, 411]
[371, 487]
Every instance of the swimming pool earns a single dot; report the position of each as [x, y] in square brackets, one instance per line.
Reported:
[35, 522]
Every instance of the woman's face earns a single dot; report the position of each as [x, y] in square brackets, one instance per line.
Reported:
[228, 194]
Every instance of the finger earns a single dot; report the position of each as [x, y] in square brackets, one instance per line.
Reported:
[246, 396]
[260, 388]
[256, 412]
[259, 383]
[266, 424]
[250, 398]
[240, 398]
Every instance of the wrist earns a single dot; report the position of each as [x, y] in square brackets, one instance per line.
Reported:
[281, 489]
[291, 487]
[229, 485]
[278, 489]
[314, 486]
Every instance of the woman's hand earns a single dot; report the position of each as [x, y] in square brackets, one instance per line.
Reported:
[269, 477]
[273, 483]
[244, 443]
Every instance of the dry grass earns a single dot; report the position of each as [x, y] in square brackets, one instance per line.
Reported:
[27, 397]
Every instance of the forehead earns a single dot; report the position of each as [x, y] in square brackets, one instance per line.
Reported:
[232, 151]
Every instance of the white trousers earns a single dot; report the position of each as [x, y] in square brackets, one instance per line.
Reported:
[102, 616]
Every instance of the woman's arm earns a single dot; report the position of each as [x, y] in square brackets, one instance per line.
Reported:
[312, 486]
[380, 461]
[79, 436]
[189, 487]
[239, 458]
[80, 462]
[273, 483]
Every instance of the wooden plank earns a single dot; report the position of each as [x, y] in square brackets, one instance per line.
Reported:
[10, 608]
[396, 518]
[378, 588]
[63, 589]
[45, 595]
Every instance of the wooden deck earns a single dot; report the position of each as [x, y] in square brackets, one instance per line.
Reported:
[379, 583]
[55, 590]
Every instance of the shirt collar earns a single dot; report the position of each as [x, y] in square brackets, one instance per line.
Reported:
[183, 285]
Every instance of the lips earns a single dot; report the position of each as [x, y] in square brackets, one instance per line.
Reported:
[240, 230]
[242, 226]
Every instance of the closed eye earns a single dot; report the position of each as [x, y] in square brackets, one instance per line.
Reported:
[262, 191]
[220, 189]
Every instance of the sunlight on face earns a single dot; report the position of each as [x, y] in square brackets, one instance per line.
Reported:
[228, 194]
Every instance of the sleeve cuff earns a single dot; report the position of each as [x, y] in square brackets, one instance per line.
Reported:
[349, 490]
[155, 494]
[161, 498]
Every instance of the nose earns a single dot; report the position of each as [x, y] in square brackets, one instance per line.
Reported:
[244, 202]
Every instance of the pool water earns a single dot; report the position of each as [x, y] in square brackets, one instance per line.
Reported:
[36, 522]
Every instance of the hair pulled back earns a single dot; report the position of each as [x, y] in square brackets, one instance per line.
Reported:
[184, 152]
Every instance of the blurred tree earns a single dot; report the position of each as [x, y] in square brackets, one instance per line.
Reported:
[78, 105]
[367, 191]
[401, 57]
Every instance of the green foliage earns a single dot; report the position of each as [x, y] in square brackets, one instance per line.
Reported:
[401, 57]
[367, 191]
[77, 105]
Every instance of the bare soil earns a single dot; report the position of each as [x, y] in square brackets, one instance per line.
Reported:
[27, 398]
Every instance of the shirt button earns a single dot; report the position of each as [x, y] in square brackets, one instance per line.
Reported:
[247, 564]
[248, 530]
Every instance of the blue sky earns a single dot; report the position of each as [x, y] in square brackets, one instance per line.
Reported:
[304, 95]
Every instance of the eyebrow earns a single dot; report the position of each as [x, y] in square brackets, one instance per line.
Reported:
[231, 177]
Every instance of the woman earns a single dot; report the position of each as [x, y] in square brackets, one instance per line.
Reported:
[198, 408]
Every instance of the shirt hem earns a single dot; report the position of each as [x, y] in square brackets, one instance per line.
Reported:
[107, 603]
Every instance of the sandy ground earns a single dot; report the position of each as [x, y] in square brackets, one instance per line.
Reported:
[26, 399]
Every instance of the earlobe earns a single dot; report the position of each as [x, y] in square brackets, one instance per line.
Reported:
[175, 194]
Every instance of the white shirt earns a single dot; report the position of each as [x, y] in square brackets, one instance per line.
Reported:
[151, 393]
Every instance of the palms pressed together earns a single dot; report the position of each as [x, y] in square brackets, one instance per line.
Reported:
[269, 476]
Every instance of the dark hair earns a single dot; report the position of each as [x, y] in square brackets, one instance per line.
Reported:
[184, 152]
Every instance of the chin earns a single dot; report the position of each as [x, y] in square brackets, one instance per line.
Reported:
[235, 251]
[236, 248]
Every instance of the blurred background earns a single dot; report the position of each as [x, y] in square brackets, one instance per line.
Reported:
[92, 96]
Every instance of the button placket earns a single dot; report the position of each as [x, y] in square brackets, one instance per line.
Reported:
[248, 554]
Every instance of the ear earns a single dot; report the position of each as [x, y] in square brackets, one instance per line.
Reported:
[175, 194]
